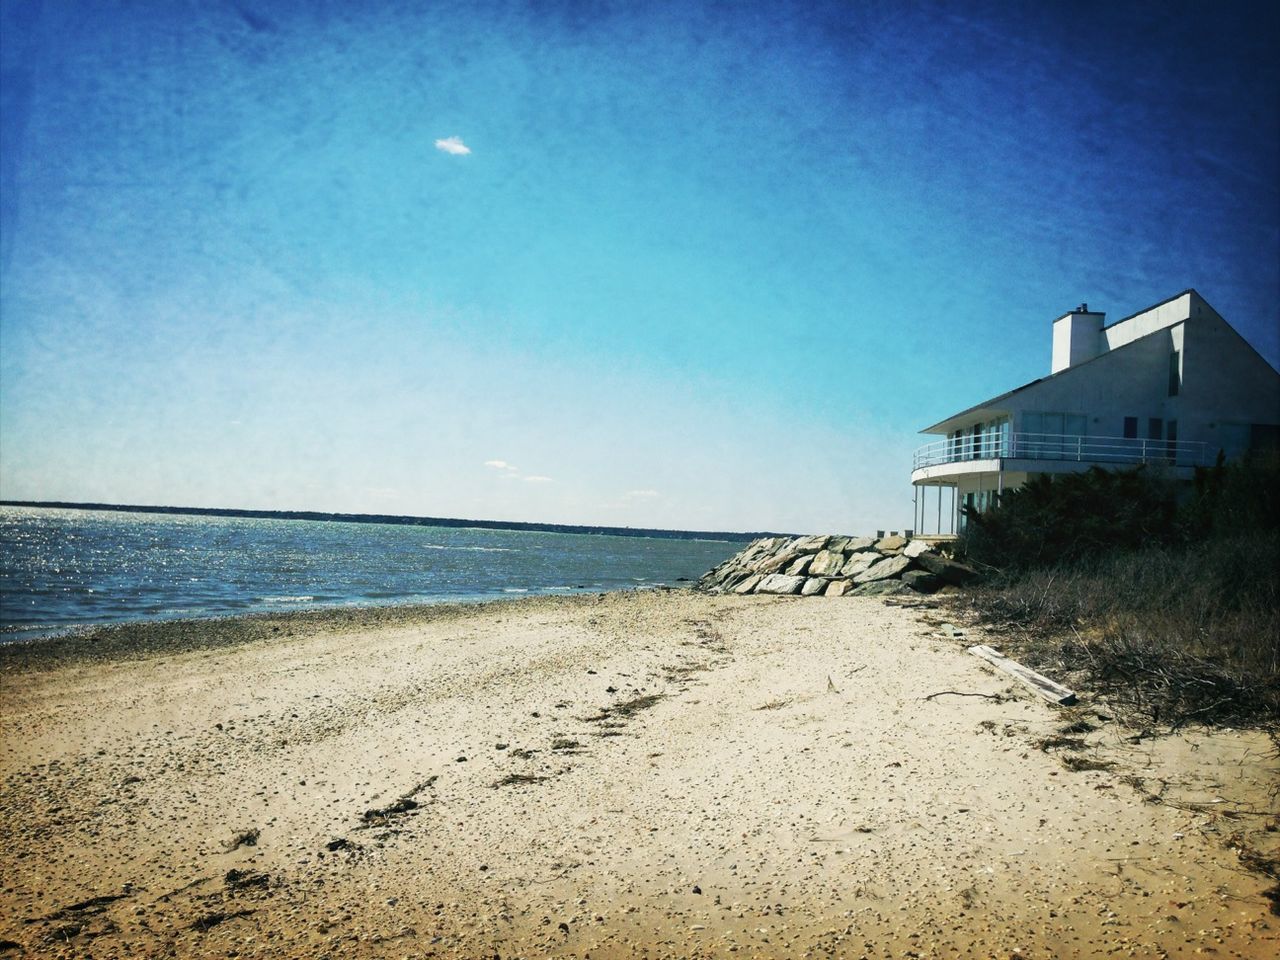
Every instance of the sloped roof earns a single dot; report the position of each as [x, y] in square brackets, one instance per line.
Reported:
[994, 404]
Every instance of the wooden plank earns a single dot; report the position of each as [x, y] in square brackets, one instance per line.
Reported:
[1053, 692]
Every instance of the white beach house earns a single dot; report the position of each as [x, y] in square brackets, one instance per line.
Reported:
[1170, 386]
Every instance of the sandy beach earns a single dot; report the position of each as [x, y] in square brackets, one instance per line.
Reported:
[656, 774]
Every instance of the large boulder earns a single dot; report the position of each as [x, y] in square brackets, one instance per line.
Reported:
[859, 562]
[891, 542]
[880, 588]
[839, 544]
[749, 584]
[813, 586]
[775, 563]
[780, 583]
[800, 567]
[859, 544]
[838, 588]
[731, 581]
[949, 570]
[826, 563]
[883, 570]
[922, 580]
[915, 547]
[811, 544]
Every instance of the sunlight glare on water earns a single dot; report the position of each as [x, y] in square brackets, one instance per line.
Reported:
[63, 568]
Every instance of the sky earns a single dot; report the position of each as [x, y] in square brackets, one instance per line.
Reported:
[664, 265]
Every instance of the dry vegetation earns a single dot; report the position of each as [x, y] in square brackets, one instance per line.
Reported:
[1175, 624]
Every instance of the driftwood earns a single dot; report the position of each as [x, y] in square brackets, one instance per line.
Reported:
[1053, 692]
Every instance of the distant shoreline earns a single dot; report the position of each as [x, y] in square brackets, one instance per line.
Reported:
[401, 520]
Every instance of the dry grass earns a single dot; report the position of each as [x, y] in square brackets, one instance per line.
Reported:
[1171, 636]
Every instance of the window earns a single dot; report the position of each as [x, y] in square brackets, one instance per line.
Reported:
[1131, 428]
[1155, 429]
[1175, 373]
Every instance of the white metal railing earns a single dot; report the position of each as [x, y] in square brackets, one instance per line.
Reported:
[1059, 446]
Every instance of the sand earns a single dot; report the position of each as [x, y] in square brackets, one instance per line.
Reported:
[657, 774]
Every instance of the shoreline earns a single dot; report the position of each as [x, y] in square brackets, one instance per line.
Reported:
[629, 774]
[139, 639]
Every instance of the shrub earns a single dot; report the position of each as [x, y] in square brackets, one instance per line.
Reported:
[1058, 519]
[1171, 609]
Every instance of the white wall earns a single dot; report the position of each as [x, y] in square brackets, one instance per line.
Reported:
[1224, 382]
[1157, 318]
[1105, 390]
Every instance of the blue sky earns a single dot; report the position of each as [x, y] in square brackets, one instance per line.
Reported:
[702, 266]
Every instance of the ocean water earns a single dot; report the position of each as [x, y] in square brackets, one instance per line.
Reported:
[67, 568]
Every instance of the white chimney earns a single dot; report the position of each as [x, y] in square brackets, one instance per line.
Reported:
[1077, 337]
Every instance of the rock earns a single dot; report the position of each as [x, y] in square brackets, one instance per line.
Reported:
[834, 566]
[858, 563]
[915, 548]
[949, 570]
[775, 563]
[922, 580]
[826, 564]
[811, 544]
[886, 568]
[800, 567]
[780, 583]
[880, 588]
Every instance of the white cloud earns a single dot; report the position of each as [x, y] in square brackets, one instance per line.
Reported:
[499, 465]
[640, 494]
[537, 480]
[453, 145]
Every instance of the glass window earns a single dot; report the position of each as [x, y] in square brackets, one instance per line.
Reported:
[1131, 428]
[1175, 373]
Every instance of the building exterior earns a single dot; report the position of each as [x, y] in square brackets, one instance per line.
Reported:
[1171, 386]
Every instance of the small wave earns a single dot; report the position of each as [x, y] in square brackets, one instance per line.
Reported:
[444, 546]
[514, 590]
[286, 599]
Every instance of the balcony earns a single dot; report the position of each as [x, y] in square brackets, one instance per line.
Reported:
[1100, 451]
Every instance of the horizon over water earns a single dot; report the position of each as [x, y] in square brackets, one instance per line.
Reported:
[66, 568]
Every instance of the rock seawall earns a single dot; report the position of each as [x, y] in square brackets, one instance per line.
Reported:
[835, 566]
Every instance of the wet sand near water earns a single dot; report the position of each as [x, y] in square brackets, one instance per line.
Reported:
[651, 774]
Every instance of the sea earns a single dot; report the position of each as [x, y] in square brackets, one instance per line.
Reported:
[62, 569]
